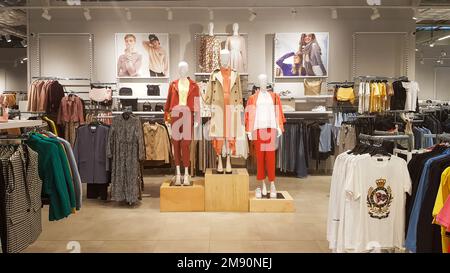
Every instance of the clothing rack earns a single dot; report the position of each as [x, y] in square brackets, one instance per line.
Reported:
[381, 138]
[380, 78]
[61, 79]
[346, 82]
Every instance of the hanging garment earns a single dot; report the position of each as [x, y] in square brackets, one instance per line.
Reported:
[399, 99]
[238, 53]
[22, 214]
[209, 55]
[157, 145]
[126, 148]
[441, 208]
[90, 154]
[55, 173]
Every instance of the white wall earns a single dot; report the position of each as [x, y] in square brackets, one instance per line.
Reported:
[186, 23]
[425, 73]
[12, 78]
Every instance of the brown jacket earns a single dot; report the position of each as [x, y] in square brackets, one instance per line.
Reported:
[215, 97]
[157, 145]
[70, 109]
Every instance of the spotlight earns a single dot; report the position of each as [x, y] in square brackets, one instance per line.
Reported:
[211, 15]
[169, 14]
[293, 13]
[422, 61]
[443, 38]
[24, 59]
[417, 50]
[21, 61]
[128, 14]
[334, 14]
[24, 43]
[46, 15]
[375, 15]
[252, 15]
[415, 15]
[432, 44]
[443, 54]
[8, 38]
[87, 14]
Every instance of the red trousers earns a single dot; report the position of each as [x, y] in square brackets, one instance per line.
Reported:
[265, 146]
[181, 143]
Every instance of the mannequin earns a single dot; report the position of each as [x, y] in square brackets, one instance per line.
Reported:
[182, 95]
[211, 29]
[238, 52]
[264, 123]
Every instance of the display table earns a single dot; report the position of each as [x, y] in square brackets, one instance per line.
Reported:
[182, 198]
[227, 192]
[283, 203]
[11, 124]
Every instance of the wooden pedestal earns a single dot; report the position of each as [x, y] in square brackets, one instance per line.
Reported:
[283, 204]
[182, 198]
[227, 192]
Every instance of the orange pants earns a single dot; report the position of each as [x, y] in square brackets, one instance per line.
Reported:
[218, 144]
[265, 153]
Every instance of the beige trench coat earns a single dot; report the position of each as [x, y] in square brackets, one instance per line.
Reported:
[215, 98]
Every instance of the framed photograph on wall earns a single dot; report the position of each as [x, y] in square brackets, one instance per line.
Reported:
[302, 54]
[142, 55]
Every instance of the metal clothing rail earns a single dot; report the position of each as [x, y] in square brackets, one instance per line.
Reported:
[443, 137]
[380, 78]
[61, 79]
[394, 138]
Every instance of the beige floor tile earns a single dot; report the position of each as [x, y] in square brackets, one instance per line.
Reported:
[287, 232]
[182, 246]
[236, 247]
[291, 246]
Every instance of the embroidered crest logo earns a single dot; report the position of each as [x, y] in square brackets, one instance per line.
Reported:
[379, 200]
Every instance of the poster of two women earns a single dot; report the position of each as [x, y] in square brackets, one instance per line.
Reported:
[301, 54]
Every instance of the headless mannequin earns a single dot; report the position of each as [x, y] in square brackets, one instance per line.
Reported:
[183, 87]
[225, 62]
[211, 29]
[262, 79]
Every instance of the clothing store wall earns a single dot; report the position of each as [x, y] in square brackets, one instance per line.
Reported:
[106, 22]
[431, 76]
[13, 78]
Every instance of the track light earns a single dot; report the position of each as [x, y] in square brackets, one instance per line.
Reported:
[293, 13]
[8, 38]
[169, 14]
[443, 54]
[128, 14]
[24, 43]
[415, 16]
[432, 44]
[252, 15]
[334, 14]
[422, 61]
[87, 14]
[375, 15]
[46, 15]
[211, 15]
[443, 38]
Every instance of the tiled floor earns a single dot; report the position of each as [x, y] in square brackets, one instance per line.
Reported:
[111, 227]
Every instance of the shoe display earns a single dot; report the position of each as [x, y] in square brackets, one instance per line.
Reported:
[258, 193]
[273, 191]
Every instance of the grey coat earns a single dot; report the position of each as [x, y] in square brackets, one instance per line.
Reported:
[90, 154]
[126, 148]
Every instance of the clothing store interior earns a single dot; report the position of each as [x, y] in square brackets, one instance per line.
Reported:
[225, 126]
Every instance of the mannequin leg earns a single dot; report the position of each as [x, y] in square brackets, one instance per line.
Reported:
[186, 178]
[178, 176]
[185, 149]
[177, 158]
[228, 166]
[218, 146]
[273, 190]
[264, 188]
[260, 168]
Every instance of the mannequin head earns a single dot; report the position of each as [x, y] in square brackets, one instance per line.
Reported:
[225, 57]
[211, 29]
[262, 79]
[235, 29]
[183, 69]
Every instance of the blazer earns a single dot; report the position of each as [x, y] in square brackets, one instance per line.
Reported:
[70, 109]
[250, 111]
[22, 200]
[90, 154]
[54, 97]
[193, 98]
[215, 98]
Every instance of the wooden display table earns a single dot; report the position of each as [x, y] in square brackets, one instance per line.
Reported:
[227, 192]
[284, 203]
[182, 198]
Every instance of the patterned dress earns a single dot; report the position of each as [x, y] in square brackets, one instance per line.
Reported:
[126, 148]
[209, 55]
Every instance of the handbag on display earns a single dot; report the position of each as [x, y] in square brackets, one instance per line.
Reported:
[125, 91]
[153, 90]
[159, 107]
[345, 94]
[133, 103]
[101, 94]
[312, 87]
[147, 107]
